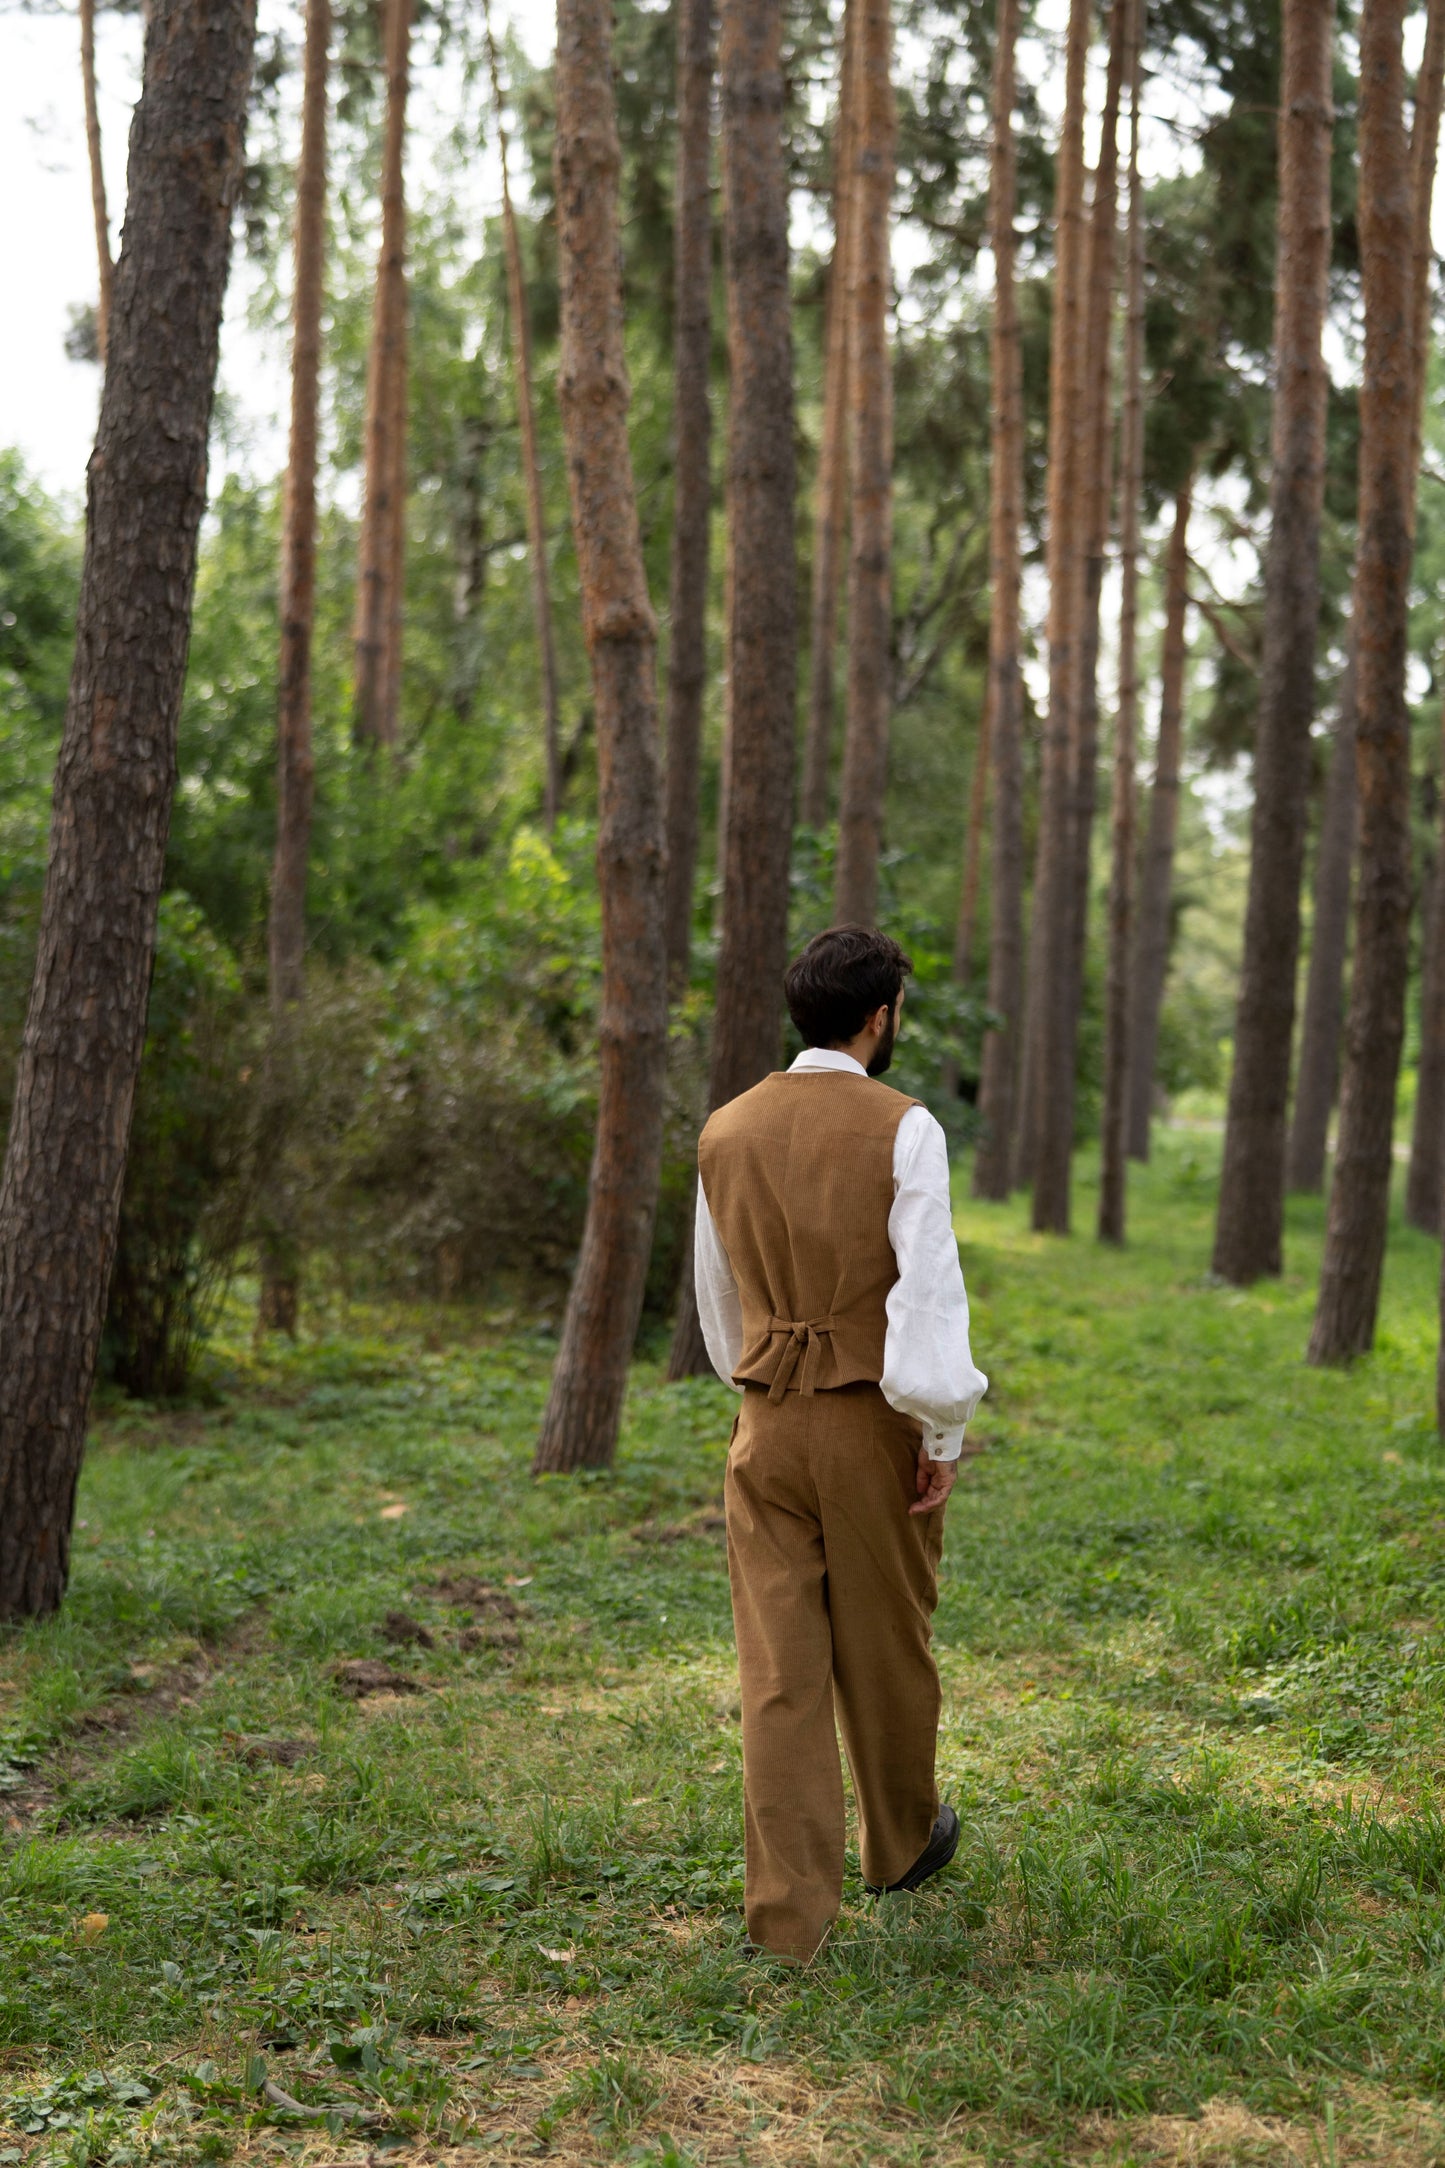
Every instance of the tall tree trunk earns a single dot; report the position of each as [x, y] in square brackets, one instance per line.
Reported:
[295, 767]
[1318, 1068]
[104, 258]
[378, 598]
[1156, 874]
[146, 489]
[991, 1166]
[830, 517]
[966, 926]
[692, 468]
[870, 389]
[1112, 1183]
[584, 1409]
[1050, 951]
[762, 631]
[532, 466]
[1349, 1293]
[1249, 1232]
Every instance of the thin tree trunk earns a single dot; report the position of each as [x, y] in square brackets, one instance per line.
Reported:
[964, 931]
[692, 469]
[1318, 1069]
[1005, 689]
[146, 488]
[870, 389]
[1113, 1170]
[531, 465]
[1050, 952]
[762, 632]
[1248, 1235]
[830, 517]
[1349, 1293]
[295, 767]
[104, 258]
[378, 600]
[1156, 878]
[584, 1409]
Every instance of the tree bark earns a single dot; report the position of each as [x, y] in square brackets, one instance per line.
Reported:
[146, 488]
[1318, 1070]
[584, 1409]
[531, 464]
[1112, 1181]
[1249, 1231]
[966, 926]
[1005, 691]
[870, 389]
[106, 262]
[1344, 1324]
[762, 631]
[295, 765]
[692, 469]
[1050, 951]
[1156, 876]
[830, 517]
[378, 588]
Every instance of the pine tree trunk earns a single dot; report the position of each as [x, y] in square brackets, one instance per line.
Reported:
[1344, 1324]
[830, 517]
[1318, 1069]
[295, 767]
[584, 1409]
[1156, 874]
[104, 259]
[1112, 1180]
[991, 1165]
[692, 469]
[1249, 1232]
[966, 926]
[762, 631]
[870, 389]
[146, 489]
[378, 599]
[531, 464]
[1050, 943]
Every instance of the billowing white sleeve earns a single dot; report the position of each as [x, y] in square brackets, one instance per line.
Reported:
[928, 1370]
[719, 1307]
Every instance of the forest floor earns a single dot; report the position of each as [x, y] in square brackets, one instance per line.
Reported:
[362, 1764]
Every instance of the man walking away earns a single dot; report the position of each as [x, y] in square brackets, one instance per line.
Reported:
[830, 1291]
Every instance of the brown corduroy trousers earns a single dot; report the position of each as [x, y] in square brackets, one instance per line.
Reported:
[834, 1584]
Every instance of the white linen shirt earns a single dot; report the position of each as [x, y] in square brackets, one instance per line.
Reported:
[928, 1370]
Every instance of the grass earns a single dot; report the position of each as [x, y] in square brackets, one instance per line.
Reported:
[1191, 1635]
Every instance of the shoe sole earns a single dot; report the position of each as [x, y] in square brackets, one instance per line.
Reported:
[922, 1871]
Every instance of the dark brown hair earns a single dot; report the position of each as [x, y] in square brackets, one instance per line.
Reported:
[840, 979]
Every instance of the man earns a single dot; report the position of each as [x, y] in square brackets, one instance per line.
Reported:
[829, 1289]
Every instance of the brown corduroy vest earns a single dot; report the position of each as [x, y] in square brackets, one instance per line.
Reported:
[798, 1175]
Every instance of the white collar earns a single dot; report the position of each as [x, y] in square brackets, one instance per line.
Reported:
[828, 1057]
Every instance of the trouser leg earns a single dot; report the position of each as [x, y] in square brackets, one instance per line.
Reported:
[792, 1778]
[882, 1589]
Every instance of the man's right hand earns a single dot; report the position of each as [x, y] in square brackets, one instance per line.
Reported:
[936, 1479]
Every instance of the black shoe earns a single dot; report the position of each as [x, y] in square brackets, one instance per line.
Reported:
[935, 1855]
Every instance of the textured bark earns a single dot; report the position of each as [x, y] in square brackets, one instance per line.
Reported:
[1318, 1070]
[378, 587]
[1249, 1232]
[692, 468]
[531, 465]
[870, 389]
[1349, 1293]
[584, 1409]
[1156, 874]
[146, 487]
[295, 765]
[966, 925]
[1112, 1176]
[830, 516]
[105, 261]
[1050, 953]
[991, 1166]
[762, 630]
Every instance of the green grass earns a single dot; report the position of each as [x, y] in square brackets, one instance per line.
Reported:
[1191, 1634]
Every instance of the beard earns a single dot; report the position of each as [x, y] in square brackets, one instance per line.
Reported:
[883, 1053]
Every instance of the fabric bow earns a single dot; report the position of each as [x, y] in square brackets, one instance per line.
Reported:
[803, 1344]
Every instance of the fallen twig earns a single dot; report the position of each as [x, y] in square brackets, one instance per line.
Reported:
[365, 2118]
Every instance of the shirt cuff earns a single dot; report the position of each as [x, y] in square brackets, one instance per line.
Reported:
[943, 1444]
